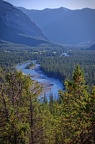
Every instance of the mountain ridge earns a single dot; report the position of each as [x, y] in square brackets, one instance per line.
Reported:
[92, 47]
[63, 25]
[16, 26]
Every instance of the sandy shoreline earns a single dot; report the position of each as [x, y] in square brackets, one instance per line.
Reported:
[46, 86]
[49, 85]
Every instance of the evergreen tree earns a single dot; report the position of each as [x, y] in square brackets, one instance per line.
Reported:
[74, 105]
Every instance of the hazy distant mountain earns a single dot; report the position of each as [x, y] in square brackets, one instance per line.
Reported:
[65, 26]
[15, 26]
[92, 47]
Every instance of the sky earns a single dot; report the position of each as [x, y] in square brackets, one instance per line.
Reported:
[42, 4]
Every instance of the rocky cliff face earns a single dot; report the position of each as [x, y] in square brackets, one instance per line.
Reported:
[16, 20]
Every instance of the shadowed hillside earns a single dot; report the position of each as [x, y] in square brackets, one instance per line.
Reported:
[65, 26]
[15, 26]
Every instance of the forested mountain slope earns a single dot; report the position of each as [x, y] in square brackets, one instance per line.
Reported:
[15, 26]
[24, 119]
[64, 25]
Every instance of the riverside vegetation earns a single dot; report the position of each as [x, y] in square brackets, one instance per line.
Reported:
[25, 119]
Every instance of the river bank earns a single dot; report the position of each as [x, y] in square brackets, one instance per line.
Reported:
[50, 85]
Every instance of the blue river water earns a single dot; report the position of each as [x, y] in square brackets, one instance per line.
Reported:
[50, 85]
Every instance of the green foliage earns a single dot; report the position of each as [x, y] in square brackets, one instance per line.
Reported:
[11, 54]
[24, 118]
[17, 108]
[30, 65]
[75, 101]
[62, 67]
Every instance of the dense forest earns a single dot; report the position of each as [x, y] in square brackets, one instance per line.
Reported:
[27, 114]
[62, 66]
[52, 59]
[12, 54]
[26, 119]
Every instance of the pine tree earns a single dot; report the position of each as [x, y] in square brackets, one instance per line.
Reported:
[74, 100]
[19, 109]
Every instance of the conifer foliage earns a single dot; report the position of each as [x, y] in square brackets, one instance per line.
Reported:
[27, 119]
[76, 107]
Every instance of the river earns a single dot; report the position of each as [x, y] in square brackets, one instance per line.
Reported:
[50, 85]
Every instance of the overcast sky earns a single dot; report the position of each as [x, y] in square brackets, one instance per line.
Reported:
[42, 4]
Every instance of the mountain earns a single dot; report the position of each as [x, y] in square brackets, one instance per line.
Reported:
[63, 25]
[15, 26]
[92, 47]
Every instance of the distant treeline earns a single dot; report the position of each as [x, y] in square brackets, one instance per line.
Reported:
[53, 63]
[62, 66]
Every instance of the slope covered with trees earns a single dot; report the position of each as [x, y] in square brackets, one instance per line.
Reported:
[26, 119]
[65, 26]
[15, 26]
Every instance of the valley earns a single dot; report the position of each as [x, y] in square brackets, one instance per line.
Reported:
[50, 85]
[65, 26]
[47, 75]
